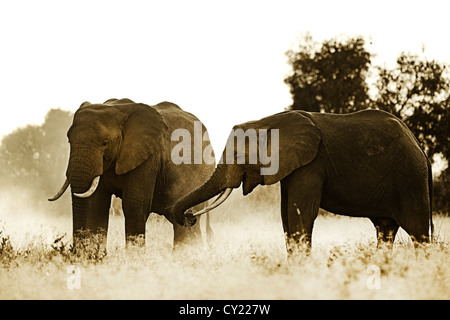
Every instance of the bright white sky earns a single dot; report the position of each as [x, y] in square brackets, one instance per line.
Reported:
[224, 61]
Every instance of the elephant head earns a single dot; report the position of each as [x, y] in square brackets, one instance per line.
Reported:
[293, 141]
[117, 136]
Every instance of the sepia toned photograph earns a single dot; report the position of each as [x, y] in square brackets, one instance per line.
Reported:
[213, 153]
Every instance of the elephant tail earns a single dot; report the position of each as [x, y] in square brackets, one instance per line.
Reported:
[430, 196]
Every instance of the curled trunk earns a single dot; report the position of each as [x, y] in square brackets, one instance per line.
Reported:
[219, 181]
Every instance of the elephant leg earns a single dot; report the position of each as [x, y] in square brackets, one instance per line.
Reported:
[135, 218]
[284, 207]
[415, 219]
[386, 230]
[187, 235]
[95, 230]
[137, 197]
[98, 219]
[301, 193]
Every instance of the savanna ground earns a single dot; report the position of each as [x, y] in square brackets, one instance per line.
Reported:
[246, 259]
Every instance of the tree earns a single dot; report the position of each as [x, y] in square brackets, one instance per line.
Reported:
[330, 77]
[418, 92]
[34, 159]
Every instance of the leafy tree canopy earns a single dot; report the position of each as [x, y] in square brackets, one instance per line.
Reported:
[332, 77]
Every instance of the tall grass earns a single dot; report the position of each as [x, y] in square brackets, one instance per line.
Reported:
[246, 259]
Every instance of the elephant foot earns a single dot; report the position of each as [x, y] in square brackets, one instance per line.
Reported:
[135, 241]
[89, 245]
[298, 244]
[189, 219]
[190, 244]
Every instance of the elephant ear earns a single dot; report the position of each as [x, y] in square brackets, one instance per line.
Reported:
[298, 142]
[142, 135]
[293, 144]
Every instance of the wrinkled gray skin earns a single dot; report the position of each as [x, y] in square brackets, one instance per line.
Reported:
[364, 164]
[129, 146]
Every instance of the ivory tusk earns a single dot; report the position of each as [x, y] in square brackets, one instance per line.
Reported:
[227, 190]
[219, 200]
[91, 190]
[61, 191]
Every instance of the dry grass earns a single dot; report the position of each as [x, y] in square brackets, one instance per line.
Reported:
[245, 260]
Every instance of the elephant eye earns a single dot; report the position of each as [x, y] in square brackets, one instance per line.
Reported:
[105, 143]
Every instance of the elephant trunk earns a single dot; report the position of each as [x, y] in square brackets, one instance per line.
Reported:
[219, 181]
[84, 167]
[83, 171]
[80, 209]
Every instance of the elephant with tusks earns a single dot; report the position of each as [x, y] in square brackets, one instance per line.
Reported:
[362, 164]
[123, 148]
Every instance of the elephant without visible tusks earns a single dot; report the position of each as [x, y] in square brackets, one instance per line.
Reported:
[123, 148]
[363, 164]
